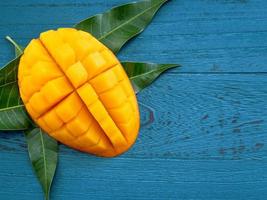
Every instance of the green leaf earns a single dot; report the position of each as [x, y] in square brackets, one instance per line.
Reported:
[18, 49]
[43, 152]
[8, 73]
[12, 112]
[143, 74]
[118, 25]
[42, 149]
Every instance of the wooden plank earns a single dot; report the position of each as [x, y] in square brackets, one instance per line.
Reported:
[204, 36]
[82, 177]
[204, 116]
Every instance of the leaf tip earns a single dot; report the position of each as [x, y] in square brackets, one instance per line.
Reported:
[176, 65]
[8, 38]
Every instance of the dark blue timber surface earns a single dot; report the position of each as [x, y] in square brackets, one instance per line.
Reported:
[204, 126]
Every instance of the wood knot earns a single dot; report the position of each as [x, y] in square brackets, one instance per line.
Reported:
[147, 114]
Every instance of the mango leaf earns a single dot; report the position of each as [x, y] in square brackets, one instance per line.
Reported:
[118, 25]
[12, 112]
[42, 149]
[43, 152]
[143, 74]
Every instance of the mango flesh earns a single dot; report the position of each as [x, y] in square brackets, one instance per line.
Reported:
[76, 90]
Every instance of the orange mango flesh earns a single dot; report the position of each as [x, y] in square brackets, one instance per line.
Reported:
[76, 90]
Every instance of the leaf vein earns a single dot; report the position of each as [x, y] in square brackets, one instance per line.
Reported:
[121, 25]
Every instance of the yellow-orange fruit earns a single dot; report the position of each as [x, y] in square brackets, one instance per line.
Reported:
[76, 90]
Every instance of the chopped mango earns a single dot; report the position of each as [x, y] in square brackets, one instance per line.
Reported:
[77, 74]
[114, 97]
[87, 94]
[76, 90]
[56, 89]
[118, 114]
[52, 120]
[43, 71]
[69, 107]
[39, 103]
[64, 56]
[94, 63]
[80, 124]
[104, 81]
[27, 87]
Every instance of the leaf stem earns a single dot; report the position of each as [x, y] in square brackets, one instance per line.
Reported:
[15, 44]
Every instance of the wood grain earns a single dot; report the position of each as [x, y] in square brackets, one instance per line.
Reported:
[204, 125]
[205, 116]
[227, 36]
[82, 177]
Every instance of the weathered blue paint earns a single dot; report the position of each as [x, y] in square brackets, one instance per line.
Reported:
[204, 125]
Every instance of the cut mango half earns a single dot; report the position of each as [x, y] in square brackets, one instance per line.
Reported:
[76, 90]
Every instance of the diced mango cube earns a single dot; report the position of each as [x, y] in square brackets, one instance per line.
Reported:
[130, 127]
[98, 111]
[91, 137]
[69, 107]
[82, 47]
[24, 69]
[104, 81]
[39, 103]
[80, 124]
[114, 97]
[110, 59]
[77, 74]
[64, 56]
[44, 125]
[27, 86]
[64, 136]
[118, 114]
[52, 120]
[120, 73]
[103, 147]
[43, 71]
[51, 40]
[35, 52]
[127, 87]
[55, 90]
[113, 133]
[68, 34]
[94, 63]
[87, 94]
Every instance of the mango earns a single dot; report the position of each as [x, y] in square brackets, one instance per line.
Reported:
[76, 90]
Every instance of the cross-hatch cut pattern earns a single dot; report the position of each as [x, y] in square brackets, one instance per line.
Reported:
[77, 91]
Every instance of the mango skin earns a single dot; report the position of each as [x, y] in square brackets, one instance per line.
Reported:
[76, 90]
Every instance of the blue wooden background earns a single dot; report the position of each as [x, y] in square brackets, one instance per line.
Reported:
[204, 126]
